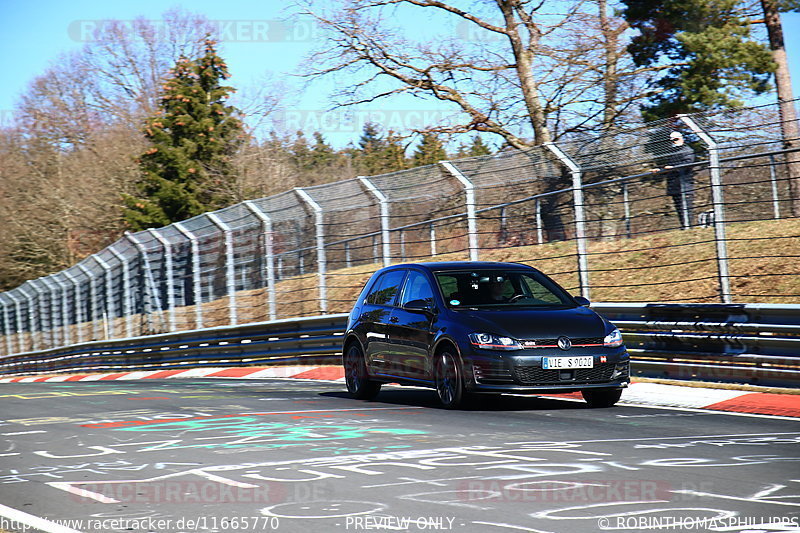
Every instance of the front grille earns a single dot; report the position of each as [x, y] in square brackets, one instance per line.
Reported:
[536, 375]
[487, 372]
[549, 343]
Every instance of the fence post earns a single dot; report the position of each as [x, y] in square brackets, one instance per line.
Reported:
[580, 218]
[718, 203]
[149, 282]
[51, 319]
[92, 300]
[539, 230]
[197, 284]
[32, 315]
[65, 325]
[469, 190]
[18, 316]
[318, 222]
[266, 228]
[110, 311]
[78, 307]
[7, 330]
[773, 178]
[433, 240]
[127, 307]
[383, 203]
[627, 206]
[56, 311]
[230, 267]
[170, 285]
[44, 319]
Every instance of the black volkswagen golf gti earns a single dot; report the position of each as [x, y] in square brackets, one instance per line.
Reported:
[477, 327]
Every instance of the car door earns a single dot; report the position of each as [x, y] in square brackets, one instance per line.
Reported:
[411, 330]
[375, 314]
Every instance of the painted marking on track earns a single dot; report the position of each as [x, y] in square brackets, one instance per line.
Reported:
[510, 526]
[126, 423]
[34, 521]
[23, 433]
[657, 438]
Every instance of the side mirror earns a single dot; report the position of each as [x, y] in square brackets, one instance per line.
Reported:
[583, 302]
[418, 305]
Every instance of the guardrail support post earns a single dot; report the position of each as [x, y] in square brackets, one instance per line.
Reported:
[197, 284]
[230, 267]
[321, 267]
[170, 281]
[718, 202]
[472, 222]
[149, 282]
[127, 307]
[383, 203]
[55, 310]
[269, 252]
[580, 217]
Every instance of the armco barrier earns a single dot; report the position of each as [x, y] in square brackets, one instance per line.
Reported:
[747, 343]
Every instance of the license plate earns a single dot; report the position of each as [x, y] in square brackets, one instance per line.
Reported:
[556, 363]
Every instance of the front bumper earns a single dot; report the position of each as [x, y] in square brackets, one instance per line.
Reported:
[523, 372]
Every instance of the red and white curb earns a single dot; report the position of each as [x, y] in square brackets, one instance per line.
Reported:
[650, 394]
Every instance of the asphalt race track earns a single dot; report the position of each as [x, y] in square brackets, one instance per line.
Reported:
[289, 455]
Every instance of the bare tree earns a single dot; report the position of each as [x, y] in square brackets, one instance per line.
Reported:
[528, 72]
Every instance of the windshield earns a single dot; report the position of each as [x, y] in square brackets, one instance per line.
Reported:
[507, 288]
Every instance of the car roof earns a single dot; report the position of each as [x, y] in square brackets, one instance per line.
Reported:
[461, 265]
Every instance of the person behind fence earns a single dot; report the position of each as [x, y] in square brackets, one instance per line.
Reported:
[680, 181]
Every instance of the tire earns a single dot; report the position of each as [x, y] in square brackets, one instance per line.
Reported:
[601, 397]
[356, 377]
[449, 380]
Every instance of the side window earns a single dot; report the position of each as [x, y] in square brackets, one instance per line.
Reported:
[386, 288]
[417, 288]
[538, 291]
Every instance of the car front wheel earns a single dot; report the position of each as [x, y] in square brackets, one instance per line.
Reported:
[356, 377]
[449, 380]
[601, 397]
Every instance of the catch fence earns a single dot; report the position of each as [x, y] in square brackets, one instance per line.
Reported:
[590, 210]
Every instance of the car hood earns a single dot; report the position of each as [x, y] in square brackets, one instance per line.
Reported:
[532, 323]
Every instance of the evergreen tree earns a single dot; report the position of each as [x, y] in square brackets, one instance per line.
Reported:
[394, 153]
[478, 147]
[187, 170]
[429, 151]
[322, 154]
[715, 60]
[371, 156]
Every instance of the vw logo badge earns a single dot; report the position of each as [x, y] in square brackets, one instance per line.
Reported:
[564, 343]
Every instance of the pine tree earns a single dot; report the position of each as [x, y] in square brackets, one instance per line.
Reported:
[429, 151]
[370, 158]
[715, 59]
[478, 147]
[188, 170]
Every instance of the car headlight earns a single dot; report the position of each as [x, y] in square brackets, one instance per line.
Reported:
[487, 341]
[613, 339]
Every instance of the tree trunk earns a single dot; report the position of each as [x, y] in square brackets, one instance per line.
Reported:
[610, 78]
[788, 115]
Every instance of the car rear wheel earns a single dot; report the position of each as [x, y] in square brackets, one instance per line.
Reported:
[356, 377]
[449, 380]
[601, 397]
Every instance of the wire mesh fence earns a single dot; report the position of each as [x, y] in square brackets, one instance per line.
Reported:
[630, 215]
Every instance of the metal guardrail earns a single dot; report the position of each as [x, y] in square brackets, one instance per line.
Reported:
[747, 343]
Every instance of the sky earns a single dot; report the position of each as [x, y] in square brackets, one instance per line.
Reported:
[33, 34]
